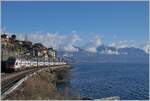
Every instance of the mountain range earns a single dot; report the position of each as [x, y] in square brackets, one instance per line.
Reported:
[106, 54]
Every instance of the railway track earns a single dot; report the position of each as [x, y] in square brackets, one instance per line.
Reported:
[6, 84]
[9, 84]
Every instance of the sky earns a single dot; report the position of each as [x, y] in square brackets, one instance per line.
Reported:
[78, 23]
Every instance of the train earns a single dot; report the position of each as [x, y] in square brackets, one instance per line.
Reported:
[16, 64]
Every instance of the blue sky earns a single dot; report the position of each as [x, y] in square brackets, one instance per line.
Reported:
[109, 20]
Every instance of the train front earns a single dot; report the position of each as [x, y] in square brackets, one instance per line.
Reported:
[10, 64]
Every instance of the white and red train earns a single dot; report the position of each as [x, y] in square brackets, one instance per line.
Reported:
[15, 64]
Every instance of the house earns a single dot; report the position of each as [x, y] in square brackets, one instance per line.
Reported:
[52, 53]
[38, 49]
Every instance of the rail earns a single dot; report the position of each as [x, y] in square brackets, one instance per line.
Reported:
[8, 82]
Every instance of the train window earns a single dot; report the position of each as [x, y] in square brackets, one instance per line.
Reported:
[11, 61]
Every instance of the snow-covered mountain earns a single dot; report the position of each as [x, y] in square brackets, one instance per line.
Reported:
[106, 54]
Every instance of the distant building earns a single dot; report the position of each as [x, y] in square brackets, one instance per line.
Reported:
[38, 49]
[52, 53]
[8, 47]
[25, 49]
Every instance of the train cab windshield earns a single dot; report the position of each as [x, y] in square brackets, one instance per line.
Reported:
[11, 61]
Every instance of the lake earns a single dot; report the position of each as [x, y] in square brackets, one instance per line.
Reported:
[95, 81]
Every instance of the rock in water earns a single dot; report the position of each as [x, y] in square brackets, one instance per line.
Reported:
[110, 98]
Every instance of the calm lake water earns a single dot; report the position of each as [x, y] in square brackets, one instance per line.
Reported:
[128, 81]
